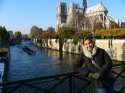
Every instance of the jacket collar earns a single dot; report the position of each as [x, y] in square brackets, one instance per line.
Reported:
[88, 53]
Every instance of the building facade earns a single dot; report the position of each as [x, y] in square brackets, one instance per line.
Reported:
[71, 15]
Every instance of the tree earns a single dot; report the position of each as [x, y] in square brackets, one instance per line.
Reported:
[64, 33]
[79, 35]
[34, 33]
[18, 36]
[113, 25]
[67, 32]
[51, 29]
[51, 32]
[4, 37]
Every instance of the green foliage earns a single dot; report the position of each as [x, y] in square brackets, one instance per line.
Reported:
[71, 33]
[113, 25]
[63, 34]
[66, 32]
[110, 33]
[4, 37]
[79, 35]
[18, 36]
[38, 33]
[76, 39]
[35, 32]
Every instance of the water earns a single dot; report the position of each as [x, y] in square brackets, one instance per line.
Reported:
[43, 62]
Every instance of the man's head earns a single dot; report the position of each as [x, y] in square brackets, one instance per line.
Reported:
[88, 43]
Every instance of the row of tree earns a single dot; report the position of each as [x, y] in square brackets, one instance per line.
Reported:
[4, 37]
[7, 37]
[38, 33]
[70, 32]
[110, 33]
[65, 33]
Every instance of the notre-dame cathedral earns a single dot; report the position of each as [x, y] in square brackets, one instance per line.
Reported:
[71, 15]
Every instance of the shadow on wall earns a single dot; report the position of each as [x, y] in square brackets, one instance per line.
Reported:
[123, 52]
[73, 48]
[66, 46]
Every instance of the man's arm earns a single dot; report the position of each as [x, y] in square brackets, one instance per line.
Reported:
[108, 64]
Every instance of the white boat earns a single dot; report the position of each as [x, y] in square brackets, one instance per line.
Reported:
[3, 61]
[1, 74]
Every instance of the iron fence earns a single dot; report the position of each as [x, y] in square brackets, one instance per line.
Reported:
[69, 82]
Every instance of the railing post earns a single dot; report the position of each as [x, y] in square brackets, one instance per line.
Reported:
[3, 89]
[70, 83]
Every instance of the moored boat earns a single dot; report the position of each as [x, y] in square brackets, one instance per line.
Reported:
[28, 50]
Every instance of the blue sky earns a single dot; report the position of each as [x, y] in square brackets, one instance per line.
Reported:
[21, 15]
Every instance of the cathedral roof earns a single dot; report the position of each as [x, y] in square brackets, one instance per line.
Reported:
[96, 8]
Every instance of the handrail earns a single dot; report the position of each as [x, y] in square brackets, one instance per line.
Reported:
[39, 78]
[117, 65]
[60, 78]
[29, 83]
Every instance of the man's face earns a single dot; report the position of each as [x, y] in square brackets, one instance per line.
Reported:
[88, 44]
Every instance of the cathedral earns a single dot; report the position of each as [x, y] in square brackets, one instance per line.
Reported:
[71, 15]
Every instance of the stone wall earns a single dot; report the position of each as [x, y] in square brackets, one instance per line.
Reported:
[114, 47]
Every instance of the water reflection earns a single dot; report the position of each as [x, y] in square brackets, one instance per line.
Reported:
[45, 62]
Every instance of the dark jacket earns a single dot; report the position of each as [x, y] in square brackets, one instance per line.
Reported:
[103, 60]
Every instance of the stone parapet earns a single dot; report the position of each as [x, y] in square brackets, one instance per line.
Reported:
[114, 47]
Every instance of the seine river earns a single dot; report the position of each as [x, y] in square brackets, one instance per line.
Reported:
[43, 62]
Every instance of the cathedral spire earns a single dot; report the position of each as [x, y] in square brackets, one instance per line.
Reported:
[84, 6]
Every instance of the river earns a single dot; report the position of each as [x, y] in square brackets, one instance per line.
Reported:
[43, 62]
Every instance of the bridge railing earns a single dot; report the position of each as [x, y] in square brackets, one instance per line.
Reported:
[69, 82]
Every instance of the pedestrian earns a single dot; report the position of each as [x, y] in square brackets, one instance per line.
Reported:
[95, 64]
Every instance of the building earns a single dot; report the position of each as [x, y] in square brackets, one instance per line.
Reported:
[71, 15]
[61, 14]
[123, 24]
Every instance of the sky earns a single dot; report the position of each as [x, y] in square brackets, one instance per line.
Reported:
[21, 15]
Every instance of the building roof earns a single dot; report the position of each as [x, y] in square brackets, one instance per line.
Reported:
[96, 8]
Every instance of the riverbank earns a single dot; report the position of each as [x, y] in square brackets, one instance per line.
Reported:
[114, 47]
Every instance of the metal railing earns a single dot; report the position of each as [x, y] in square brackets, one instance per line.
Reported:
[11, 87]
[116, 74]
[62, 83]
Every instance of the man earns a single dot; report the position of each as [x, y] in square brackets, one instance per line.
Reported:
[95, 64]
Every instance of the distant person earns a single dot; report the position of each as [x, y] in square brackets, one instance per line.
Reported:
[95, 64]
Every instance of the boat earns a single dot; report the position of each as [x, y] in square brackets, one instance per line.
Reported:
[1, 75]
[1, 71]
[28, 50]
